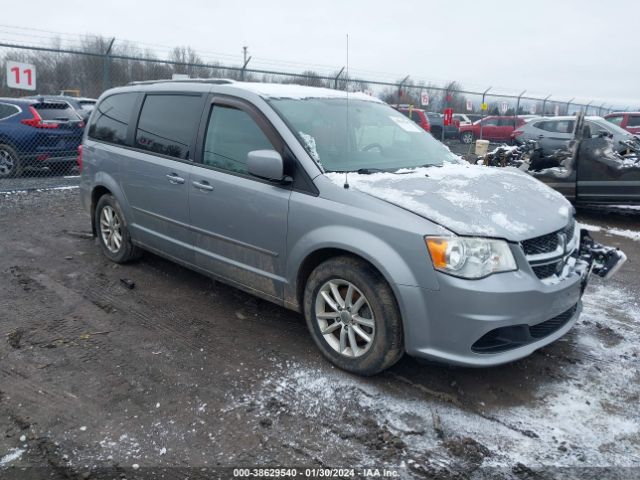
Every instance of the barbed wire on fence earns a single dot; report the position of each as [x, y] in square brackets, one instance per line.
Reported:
[94, 63]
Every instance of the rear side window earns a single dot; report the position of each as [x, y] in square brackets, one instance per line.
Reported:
[111, 119]
[633, 121]
[231, 135]
[168, 124]
[7, 110]
[58, 111]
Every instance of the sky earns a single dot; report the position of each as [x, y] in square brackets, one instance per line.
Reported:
[586, 49]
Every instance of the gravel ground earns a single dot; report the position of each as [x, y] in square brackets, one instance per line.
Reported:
[101, 381]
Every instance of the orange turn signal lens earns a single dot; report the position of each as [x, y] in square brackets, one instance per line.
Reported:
[438, 250]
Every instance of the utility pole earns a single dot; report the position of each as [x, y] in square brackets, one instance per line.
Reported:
[245, 61]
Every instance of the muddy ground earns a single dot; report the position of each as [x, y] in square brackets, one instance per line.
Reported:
[98, 380]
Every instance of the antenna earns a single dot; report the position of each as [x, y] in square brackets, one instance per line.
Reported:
[346, 173]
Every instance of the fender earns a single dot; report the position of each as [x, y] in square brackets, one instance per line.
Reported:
[382, 255]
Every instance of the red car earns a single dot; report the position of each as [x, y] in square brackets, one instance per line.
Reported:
[496, 129]
[418, 115]
[630, 121]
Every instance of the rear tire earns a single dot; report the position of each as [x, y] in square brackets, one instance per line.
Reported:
[467, 138]
[365, 334]
[113, 232]
[10, 164]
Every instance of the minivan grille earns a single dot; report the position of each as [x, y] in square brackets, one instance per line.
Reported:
[547, 246]
[549, 242]
[545, 271]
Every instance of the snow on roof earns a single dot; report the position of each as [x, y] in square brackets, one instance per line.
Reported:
[298, 92]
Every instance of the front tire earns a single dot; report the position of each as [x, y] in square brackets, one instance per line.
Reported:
[113, 232]
[467, 138]
[353, 316]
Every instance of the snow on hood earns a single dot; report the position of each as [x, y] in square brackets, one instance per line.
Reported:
[470, 199]
[299, 92]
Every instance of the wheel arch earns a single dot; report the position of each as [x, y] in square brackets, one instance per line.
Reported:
[394, 270]
[105, 184]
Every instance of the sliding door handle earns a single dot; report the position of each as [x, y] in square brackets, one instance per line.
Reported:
[175, 179]
[204, 186]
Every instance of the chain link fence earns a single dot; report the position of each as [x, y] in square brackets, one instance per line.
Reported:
[41, 129]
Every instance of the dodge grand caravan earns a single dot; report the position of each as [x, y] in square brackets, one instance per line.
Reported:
[376, 232]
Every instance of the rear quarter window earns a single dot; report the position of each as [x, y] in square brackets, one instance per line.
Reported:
[110, 121]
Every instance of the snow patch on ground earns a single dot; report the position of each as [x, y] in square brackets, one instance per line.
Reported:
[573, 422]
[633, 235]
[14, 454]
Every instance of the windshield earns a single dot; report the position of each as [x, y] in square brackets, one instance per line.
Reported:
[608, 126]
[377, 136]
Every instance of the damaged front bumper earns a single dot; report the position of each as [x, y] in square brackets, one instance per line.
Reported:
[601, 260]
[507, 316]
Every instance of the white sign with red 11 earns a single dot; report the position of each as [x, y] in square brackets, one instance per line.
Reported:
[21, 75]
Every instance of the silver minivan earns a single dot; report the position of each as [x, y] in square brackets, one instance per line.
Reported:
[554, 133]
[337, 206]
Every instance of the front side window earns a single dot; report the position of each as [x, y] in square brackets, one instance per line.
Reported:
[374, 137]
[111, 120]
[490, 122]
[168, 123]
[231, 135]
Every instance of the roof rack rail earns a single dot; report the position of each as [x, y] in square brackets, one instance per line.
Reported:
[214, 81]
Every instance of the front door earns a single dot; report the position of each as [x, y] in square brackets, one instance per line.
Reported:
[239, 221]
[604, 177]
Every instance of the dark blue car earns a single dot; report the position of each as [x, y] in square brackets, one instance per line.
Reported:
[37, 133]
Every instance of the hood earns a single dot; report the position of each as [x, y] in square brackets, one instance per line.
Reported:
[471, 200]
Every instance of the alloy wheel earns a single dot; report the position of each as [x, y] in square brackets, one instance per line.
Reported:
[110, 229]
[345, 318]
[7, 163]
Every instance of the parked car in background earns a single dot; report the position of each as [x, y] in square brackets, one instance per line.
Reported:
[438, 127]
[418, 115]
[630, 121]
[462, 119]
[553, 133]
[38, 133]
[245, 182]
[493, 128]
[82, 105]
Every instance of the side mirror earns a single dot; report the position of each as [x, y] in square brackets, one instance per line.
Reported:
[265, 164]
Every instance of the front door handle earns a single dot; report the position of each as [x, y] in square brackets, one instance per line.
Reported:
[204, 186]
[175, 179]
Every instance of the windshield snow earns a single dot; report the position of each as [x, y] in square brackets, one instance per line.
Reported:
[373, 137]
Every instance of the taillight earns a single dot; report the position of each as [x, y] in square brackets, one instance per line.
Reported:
[79, 159]
[516, 133]
[36, 121]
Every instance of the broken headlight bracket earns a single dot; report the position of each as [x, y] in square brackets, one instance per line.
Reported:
[603, 261]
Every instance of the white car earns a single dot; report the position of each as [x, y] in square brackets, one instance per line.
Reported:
[462, 118]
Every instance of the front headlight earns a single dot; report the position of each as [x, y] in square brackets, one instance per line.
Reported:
[470, 257]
